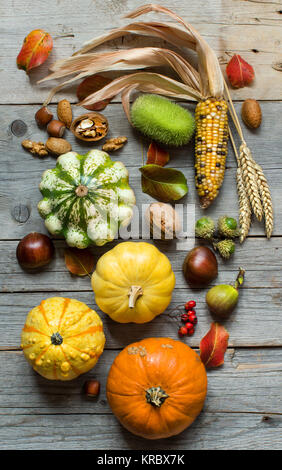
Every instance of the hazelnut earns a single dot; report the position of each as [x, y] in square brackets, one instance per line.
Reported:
[43, 116]
[56, 128]
[92, 388]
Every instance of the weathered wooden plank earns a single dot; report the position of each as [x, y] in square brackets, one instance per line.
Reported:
[250, 381]
[21, 172]
[255, 322]
[266, 150]
[262, 271]
[215, 431]
[259, 22]
[23, 189]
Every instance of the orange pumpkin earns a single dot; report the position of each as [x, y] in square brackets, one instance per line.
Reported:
[157, 387]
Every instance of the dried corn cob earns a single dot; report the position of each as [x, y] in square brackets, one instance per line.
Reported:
[211, 148]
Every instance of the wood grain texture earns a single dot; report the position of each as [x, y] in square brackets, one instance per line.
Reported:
[221, 22]
[256, 322]
[231, 388]
[243, 408]
[261, 272]
[222, 431]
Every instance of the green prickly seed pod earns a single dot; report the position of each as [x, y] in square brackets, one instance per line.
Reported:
[162, 120]
[205, 228]
[228, 227]
[225, 248]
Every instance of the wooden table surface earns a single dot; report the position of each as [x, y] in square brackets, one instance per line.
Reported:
[243, 409]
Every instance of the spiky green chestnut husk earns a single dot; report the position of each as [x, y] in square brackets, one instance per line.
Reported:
[225, 248]
[162, 120]
[228, 227]
[205, 228]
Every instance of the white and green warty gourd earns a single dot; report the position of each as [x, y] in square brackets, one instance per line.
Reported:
[86, 198]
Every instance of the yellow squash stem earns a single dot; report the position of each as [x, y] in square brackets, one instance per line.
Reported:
[134, 293]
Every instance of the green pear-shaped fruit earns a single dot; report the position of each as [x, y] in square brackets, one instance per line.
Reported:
[222, 299]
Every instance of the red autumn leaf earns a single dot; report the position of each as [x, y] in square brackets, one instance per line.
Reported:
[214, 345]
[35, 50]
[156, 155]
[239, 72]
[79, 262]
[91, 85]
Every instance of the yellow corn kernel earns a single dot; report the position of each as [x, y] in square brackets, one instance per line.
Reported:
[211, 148]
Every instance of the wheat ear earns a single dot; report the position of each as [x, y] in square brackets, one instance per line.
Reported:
[266, 200]
[245, 211]
[250, 179]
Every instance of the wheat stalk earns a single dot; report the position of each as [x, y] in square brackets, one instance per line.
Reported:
[266, 200]
[250, 179]
[245, 211]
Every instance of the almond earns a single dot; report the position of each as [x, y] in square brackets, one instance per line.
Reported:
[64, 112]
[57, 146]
[251, 113]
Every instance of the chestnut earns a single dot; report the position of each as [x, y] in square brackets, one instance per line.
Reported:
[56, 128]
[92, 388]
[200, 266]
[35, 250]
[43, 116]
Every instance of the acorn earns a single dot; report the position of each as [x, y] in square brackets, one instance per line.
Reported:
[222, 299]
[226, 248]
[227, 227]
[205, 228]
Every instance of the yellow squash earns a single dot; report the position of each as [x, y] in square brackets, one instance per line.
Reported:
[133, 282]
[62, 338]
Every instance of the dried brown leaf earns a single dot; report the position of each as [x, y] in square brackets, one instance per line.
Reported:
[156, 155]
[79, 262]
[90, 85]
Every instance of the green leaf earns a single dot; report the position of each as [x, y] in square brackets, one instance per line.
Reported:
[164, 184]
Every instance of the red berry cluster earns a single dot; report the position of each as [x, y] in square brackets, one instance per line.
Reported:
[189, 318]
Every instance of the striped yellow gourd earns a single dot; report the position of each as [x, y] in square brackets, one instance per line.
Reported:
[62, 338]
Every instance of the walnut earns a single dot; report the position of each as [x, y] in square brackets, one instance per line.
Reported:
[163, 221]
[36, 148]
[114, 144]
[90, 127]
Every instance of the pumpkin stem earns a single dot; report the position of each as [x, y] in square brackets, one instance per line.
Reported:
[134, 293]
[56, 339]
[156, 396]
[81, 190]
